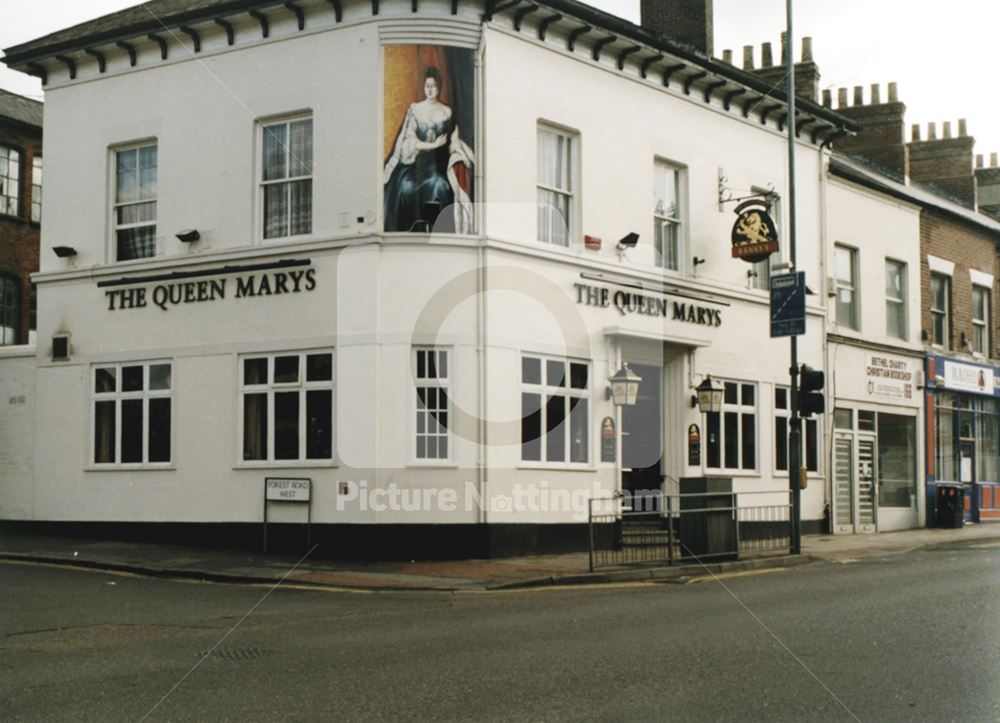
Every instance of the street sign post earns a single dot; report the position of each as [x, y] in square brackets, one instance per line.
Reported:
[788, 304]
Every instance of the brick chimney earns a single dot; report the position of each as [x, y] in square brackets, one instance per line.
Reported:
[945, 163]
[683, 21]
[806, 71]
[988, 182]
[882, 139]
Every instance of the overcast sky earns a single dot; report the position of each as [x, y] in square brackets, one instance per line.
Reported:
[943, 60]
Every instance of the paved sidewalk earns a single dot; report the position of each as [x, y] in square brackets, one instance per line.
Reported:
[540, 570]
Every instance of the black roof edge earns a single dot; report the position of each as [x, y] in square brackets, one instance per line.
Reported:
[623, 27]
[848, 169]
[37, 49]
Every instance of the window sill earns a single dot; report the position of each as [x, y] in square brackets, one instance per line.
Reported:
[557, 467]
[280, 464]
[169, 467]
[431, 464]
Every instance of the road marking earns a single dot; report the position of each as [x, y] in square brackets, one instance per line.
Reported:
[548, 588]
[71, 567]
[986, 546]
[728, 575]
[846, 561]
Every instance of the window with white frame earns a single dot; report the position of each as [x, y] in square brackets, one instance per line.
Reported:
[732, 433]
[981, 320]
[555, 410]
[668, 229]
[286, 177]
[132, 413]
[940, 309]
[36, 189]
[10, 180]
[810, 434]
[433, 403]
[846, 269]
[135, 202]
[556, 166]
[10, 308]
[287, 406]
[895, 299]
[759, 273]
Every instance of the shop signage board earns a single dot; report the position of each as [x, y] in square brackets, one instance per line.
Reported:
[754, 236]
[788, 304]
[889, 377]
[968, 377]
[287, 489]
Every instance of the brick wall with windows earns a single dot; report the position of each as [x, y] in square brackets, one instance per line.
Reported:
[968, 247]
[19, 235]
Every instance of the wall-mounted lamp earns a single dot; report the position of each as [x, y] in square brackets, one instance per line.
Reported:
[64, 252]
[188, 235]
[708, 396]
[624, 386]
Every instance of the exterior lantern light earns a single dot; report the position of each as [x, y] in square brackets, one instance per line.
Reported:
[710, 393]
[624, 386]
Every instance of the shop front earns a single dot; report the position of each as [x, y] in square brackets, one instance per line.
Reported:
[963, 432]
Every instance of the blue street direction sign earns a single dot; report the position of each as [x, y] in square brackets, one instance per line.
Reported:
[788, 304]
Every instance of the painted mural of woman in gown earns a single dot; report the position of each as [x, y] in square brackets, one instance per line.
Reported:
[429, 164]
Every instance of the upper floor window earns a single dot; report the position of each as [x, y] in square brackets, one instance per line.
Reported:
[668, 231]
[36, 189]
[135, 202]
[433, 404]
[132, 409]
[940, 309]
[556, 167]
[759, 273]
[732, 433]
[10, 180]
[555, 416]
[10, 309]
[895, 299]
[846, 267]
[981, 320]
[286, 178]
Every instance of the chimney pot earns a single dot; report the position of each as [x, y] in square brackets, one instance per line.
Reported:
[827, 98]
[807, 49]
[979, 160]
[859, 95]
[915, 131]
[784, 48]
[993, 160]
[766, 59]
[727, 56]
[963, 128]
[841, 97]
[876, 94]
[932, 131]
[893, 93]
[946, 131]
[747, 57]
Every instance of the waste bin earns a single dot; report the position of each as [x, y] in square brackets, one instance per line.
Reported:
[707, 527]
[950, 507]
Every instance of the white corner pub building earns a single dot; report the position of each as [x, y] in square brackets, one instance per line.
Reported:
[396, 248]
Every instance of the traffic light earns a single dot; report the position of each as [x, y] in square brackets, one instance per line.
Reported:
[811, 391]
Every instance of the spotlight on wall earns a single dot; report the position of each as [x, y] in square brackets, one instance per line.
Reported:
[188, 235]
[697, 261]
[64, 252]
[628, 241]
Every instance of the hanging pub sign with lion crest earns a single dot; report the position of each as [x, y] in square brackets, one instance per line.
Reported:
[754, 235]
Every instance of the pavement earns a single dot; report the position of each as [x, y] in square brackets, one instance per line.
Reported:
[241, 566]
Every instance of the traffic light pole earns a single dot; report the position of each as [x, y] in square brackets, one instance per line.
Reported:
[795, 433]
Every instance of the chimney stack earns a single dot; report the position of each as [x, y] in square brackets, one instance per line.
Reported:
[806, 72]
[947, 165]
[688, 22]
[988, 187]
[882, 140]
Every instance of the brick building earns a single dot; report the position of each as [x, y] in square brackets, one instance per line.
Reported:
[20, 212]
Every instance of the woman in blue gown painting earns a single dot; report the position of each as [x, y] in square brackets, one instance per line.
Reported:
[428, 165]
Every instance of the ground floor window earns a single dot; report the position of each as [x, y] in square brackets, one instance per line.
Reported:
[897, 460]
[287, 406]
[433, 403]
[132, 411]
[966, 437]
[732, 433]
[555, 410]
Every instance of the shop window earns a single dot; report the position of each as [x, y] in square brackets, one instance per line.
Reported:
[810, 434]
[945, 432]
[988, 442]
[287, 407]
[36, 189]
[895, 299]
[555, 410]
[556, 185]
[846, 267]
[897, 460]
[732, 433]
[10, 309]
[433, 404]
[10, 180]
[135, 202]
[668, 235]
[981, 320]
[132, 413]
[940, 309]
[286, 178]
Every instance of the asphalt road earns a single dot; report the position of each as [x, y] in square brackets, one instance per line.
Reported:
[909, 637]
